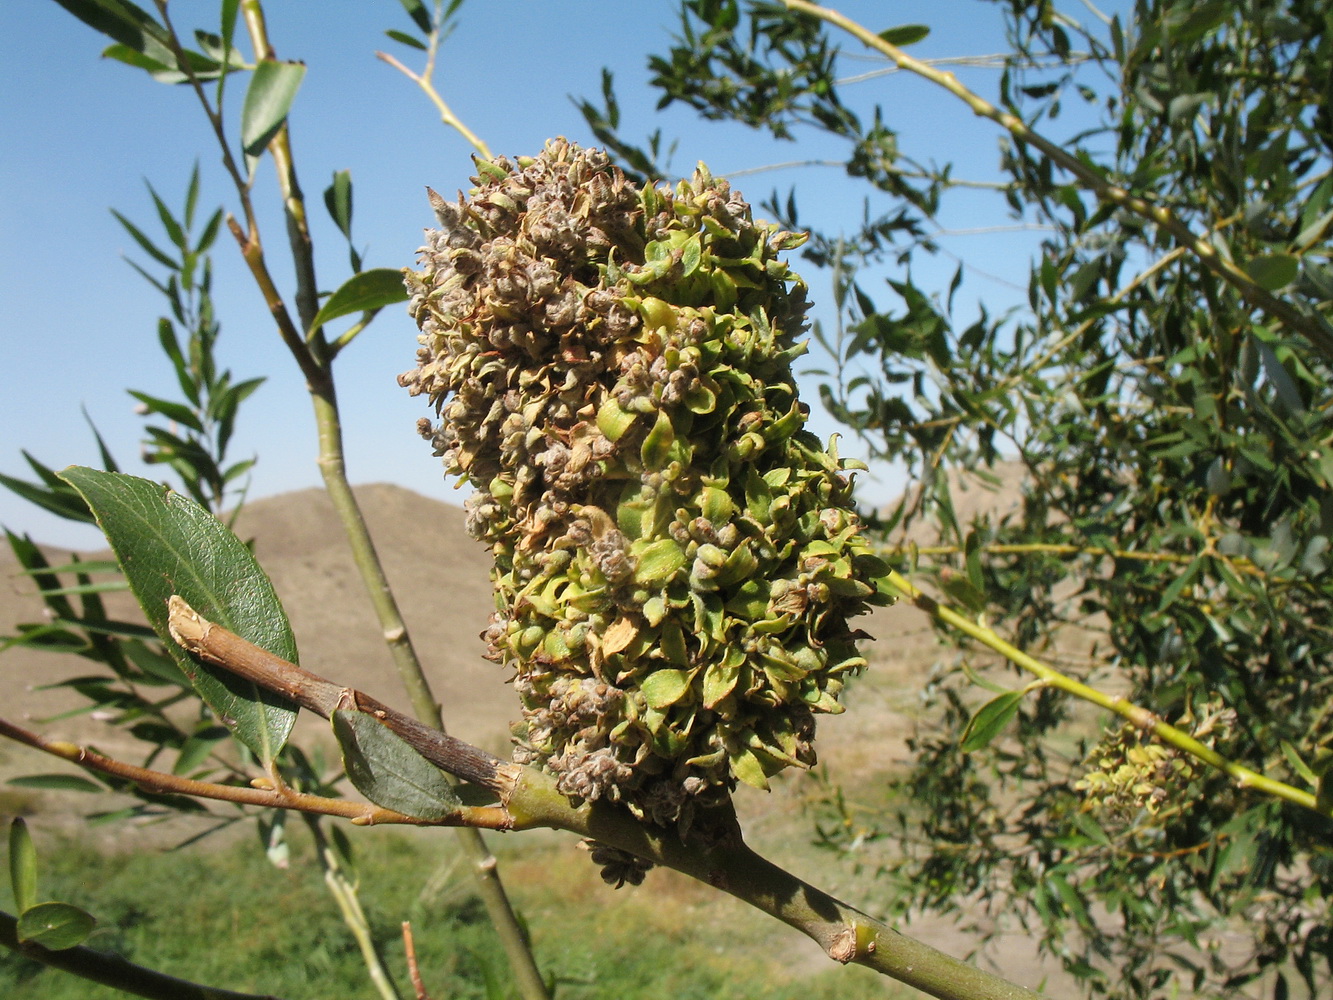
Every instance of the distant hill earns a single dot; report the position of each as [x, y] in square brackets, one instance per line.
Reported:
[441, 578]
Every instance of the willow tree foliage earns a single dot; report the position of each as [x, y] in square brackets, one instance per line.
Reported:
[1166, 391]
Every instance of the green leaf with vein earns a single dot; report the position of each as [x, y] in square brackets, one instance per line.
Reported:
[373, 289]
[167, 544]
[267, 101]
[56, 926]
[389, 772]
[990, 719]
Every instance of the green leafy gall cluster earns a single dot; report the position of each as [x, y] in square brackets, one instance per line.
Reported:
[676, 558]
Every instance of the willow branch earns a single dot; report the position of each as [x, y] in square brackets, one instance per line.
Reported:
[531, 799]
[1140, 717]
[447, 116]
[1090, 178]
[293, 201]
[1237, 564]
[263, 792]
[215, 644]
[247, 236]
[212, 113]
[114, 971]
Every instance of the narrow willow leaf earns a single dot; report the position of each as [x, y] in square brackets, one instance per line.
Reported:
[389, 772]
[406, 39]
[22, 865]
[126, 23]
[373, 289]
[55, 926]
[178, 412]
[168, 544]
[416, 10]
[1323, 799]
[145, 244]
[1288, 395]
[905, 34]
[338, 200]
[1298, 765]
[267, 100]
[990, 720]
[60, 502]
[57, 782]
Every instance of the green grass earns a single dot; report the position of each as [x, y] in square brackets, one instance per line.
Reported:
[224, 916]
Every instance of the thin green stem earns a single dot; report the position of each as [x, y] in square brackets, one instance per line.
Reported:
[447, 116]
[1238, 564]
[1243, 776]
[1089, 178]
[349, 903]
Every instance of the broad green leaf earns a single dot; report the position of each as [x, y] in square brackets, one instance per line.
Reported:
[167, 544]
[386, 770]
[990, 719]
[656, 447]
[662, 688]
[1273, 271]
[267, 100]
[905, 34]
[55, 926]
[612, 420]
[373, 289]
[22, 865]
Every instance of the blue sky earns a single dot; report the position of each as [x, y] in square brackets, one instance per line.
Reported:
[84, 134]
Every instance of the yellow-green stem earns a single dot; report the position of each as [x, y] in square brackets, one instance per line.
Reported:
[349, 903]
[447, 116]
[1139, 716]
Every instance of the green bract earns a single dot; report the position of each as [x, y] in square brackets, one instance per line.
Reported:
[675, 557]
